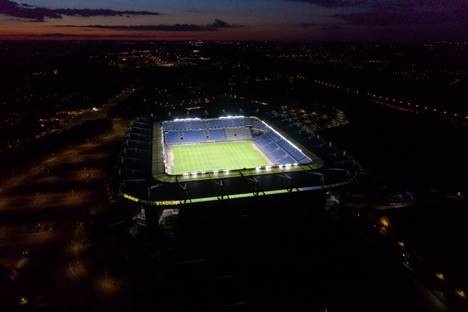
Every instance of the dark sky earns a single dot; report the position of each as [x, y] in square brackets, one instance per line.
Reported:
[237, 19]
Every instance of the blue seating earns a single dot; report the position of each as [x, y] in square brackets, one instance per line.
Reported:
[197, 124]
[172, 137]
[278, 150]
[289, 148]
[286, 160]
[194, 136]
[226, 123]
[215, 123]
[238, 133]
[241, 122]
[217, 135]
[297, 155]
[262, 140]
[178, 125]
[278, 153]
[257, 124]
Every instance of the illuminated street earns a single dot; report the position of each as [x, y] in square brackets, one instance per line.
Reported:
[43, 239]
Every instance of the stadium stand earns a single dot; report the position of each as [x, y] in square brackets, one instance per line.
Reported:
[194, 136]
[240, 133]
[215, 123]
[217, 135]
[276, 148]
[173, 137]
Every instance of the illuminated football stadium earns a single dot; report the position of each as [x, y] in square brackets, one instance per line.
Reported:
[196, 146]
[192, 161]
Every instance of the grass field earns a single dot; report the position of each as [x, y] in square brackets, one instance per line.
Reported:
[215, 156]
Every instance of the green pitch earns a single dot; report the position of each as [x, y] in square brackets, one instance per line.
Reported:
[215, 156]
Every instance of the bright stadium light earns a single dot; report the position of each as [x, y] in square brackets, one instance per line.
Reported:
[226, 171]
[231, 117]
[186, 174]
[186, 119]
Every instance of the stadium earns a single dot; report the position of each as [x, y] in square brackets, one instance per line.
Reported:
[175, 163]
[193, 147]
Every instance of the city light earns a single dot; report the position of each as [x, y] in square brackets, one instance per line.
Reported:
[440, 276]
[149, 164]
[461, 293]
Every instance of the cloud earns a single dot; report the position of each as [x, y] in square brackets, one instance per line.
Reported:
[335, 3]
[21, 10]
[398, 12]
[409, 12]
[308, 25]
[215, 25]
[58, 35]
[395, 18]
[195, 11]
[79, 36]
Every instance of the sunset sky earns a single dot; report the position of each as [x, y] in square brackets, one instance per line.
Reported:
[236, 19]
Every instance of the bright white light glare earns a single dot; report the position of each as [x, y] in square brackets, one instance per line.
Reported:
[226, 171]
[231, 117]
[186, 174]
[186, 119]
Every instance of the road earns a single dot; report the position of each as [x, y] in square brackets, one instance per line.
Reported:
[43, 242]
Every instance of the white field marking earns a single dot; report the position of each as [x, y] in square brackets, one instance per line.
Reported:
[170, 157]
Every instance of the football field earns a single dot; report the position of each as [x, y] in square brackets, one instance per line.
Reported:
[215, 156]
